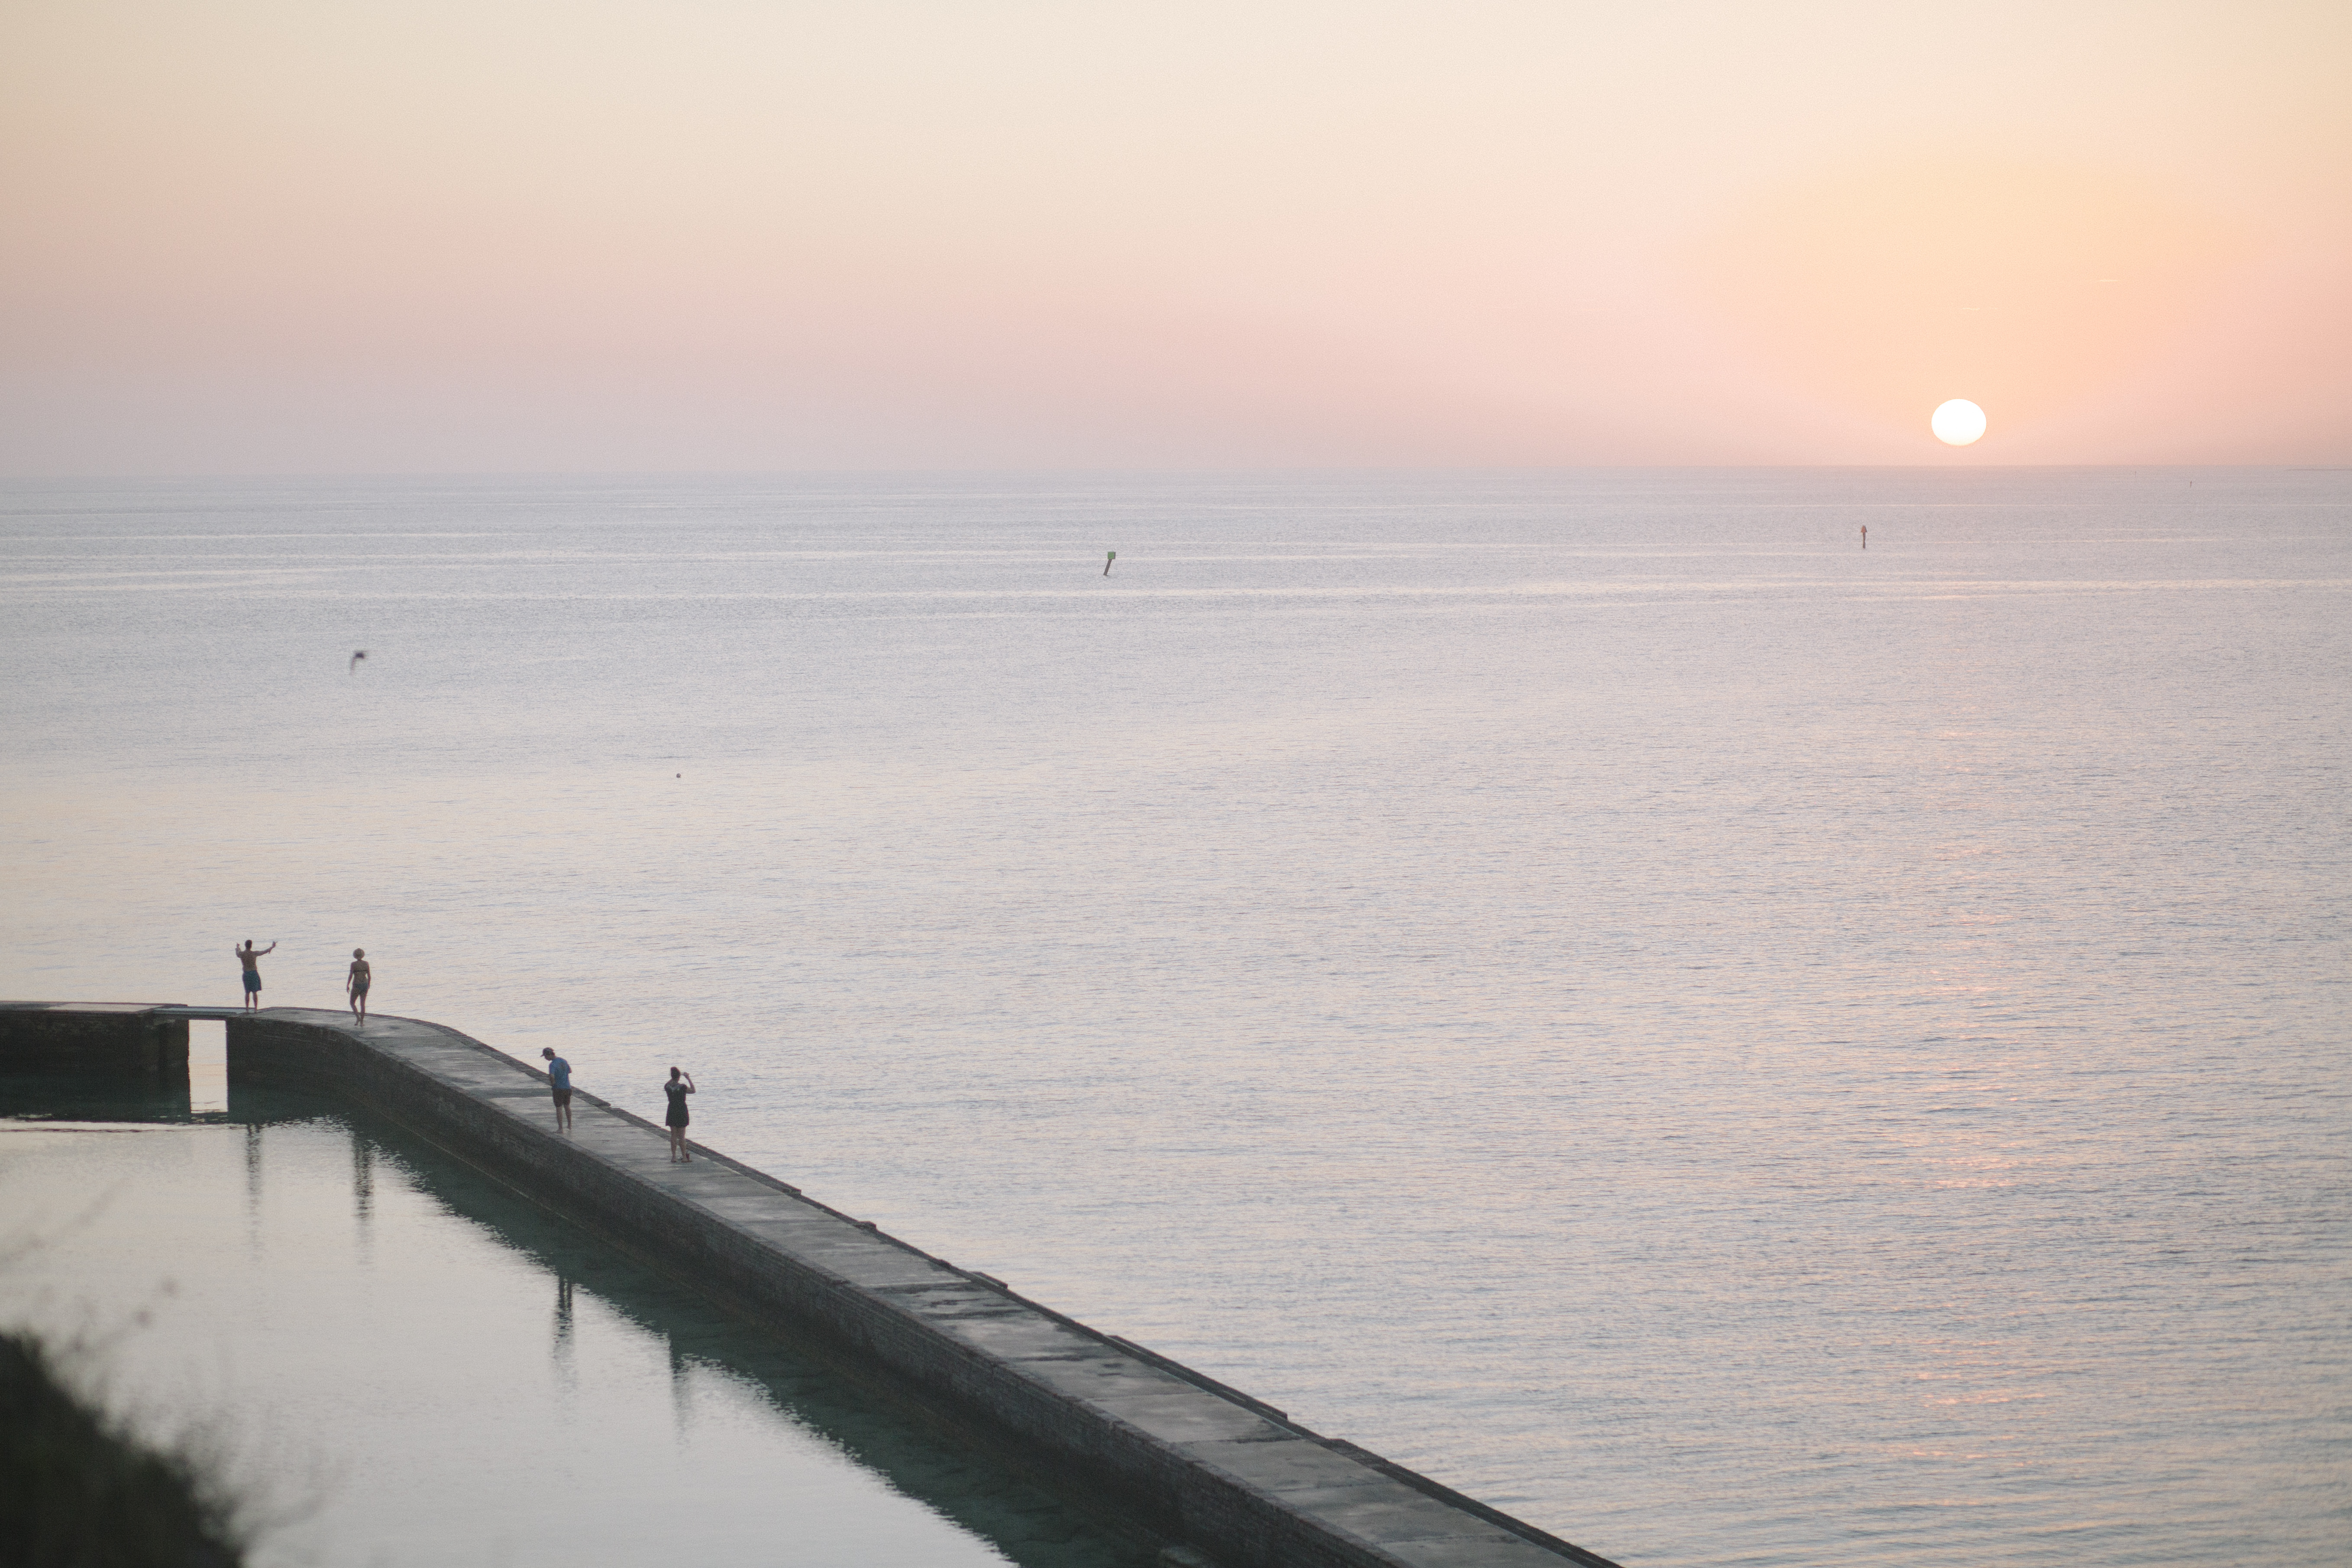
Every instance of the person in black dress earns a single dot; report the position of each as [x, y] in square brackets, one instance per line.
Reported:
[679, 1086]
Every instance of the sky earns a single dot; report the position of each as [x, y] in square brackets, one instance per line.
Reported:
[646, 236]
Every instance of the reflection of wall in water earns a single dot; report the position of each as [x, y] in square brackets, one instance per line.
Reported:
[363, 1196]
[253, 1188]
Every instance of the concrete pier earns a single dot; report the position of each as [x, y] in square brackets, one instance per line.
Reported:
[1228, 1476]
[95, 1036]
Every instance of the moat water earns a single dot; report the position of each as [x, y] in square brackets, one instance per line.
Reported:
[395, 1362]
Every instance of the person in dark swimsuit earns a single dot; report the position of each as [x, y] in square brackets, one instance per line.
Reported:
[251, 959]
[679, 1086]
[355, 983]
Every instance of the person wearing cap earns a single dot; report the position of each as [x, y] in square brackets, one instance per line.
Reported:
[559, 1079]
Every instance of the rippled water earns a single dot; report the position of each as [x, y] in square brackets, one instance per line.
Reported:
[1737, 1049]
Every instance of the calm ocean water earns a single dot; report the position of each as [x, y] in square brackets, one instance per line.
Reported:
[1736, 1048]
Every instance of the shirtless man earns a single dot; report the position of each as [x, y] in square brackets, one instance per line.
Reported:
[246, 956]
[355, 983]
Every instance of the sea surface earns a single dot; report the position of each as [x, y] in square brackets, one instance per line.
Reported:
[1736, 1048]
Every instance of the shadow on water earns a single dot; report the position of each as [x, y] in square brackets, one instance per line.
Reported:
[1021, 1517]
[95, 1096]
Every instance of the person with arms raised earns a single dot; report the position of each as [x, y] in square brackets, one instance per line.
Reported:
[251, 959]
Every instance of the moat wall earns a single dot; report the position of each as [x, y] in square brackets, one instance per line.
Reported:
[1213, 1469]
[96, 1037]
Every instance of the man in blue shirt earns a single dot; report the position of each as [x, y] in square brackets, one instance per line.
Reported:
[559, 1078]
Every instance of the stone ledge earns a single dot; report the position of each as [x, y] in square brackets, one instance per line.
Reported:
[1233, 1476]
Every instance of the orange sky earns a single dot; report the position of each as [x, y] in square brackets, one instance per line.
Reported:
[256, 235]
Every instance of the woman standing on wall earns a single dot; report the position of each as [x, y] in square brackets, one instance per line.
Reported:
[679, 1086]
[356, 983]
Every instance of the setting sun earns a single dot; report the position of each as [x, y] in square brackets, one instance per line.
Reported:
[1957, 422]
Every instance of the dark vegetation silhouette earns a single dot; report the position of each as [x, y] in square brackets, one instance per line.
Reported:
[79, 1490]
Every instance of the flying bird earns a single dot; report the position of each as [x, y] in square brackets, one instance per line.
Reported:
[357, 656]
